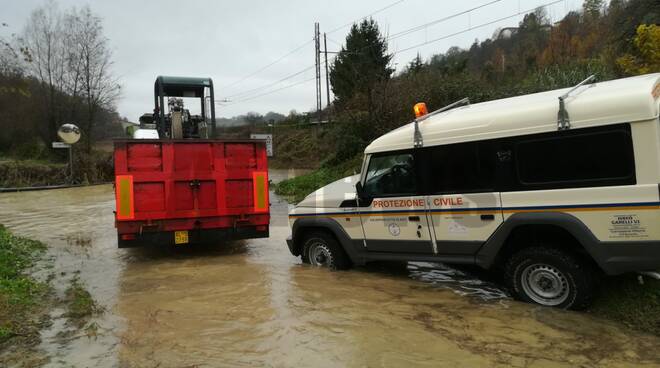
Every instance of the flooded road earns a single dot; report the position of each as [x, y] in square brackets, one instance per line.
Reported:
[251, 303]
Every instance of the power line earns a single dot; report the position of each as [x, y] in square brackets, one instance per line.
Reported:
[396, 35]
[271, 84]
[477, 26]
[303, 45]
[275, 90]
[293, 51]
[247, 98]
[366, 16]
[426, 25]
[268, 65]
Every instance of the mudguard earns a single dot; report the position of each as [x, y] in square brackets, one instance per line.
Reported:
[612, 257]
[350, 246]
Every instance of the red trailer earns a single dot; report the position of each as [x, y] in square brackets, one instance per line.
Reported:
[189, 191]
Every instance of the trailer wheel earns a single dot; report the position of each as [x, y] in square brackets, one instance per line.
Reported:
[322, 250]
[551, 277]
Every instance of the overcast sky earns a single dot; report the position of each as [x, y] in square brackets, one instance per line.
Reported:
[229, 40]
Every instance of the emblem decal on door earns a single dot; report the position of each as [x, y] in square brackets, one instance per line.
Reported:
[394, 229]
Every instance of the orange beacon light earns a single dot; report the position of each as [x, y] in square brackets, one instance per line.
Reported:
[420, 109]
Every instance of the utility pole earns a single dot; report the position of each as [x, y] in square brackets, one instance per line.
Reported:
[317, 52]
[327, 78]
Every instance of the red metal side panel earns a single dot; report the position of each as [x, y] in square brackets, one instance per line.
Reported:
[212, 183]
[239, 193]
[149, 196]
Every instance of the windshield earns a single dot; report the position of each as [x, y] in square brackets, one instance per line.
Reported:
[390, 175]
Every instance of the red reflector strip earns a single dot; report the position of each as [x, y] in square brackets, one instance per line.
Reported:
[128, 237]
[260, 187]
[124, 197]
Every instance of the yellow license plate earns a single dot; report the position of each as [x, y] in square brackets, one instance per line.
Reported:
[180, 237]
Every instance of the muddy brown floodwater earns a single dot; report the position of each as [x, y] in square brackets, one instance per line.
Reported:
[251, 303]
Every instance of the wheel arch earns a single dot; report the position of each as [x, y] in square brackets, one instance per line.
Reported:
[562, 229]
[303, 226]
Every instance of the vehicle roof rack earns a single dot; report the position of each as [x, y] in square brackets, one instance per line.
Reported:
[563, 120]
[418, 141]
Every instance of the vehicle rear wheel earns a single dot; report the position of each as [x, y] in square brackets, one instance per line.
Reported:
[551, 277]
[322, 250]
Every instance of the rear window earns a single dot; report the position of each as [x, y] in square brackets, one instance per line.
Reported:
[461, 168]
[576, 159]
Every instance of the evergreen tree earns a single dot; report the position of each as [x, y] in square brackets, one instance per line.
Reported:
[592, 8]
[361, 64]
[416, 65]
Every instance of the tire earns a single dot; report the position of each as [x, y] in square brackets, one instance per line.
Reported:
[551, 277]
[322, 250]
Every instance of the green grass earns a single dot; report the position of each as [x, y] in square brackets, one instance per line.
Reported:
[20, 295]
[623, 299]
[295, 189]
[80, 303]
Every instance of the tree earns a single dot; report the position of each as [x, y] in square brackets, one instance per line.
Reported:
[416, 65]
[593, 8]
[361, 64]
[69, 55]
[92, 62]
[254, 118]
[43, 37]
[647, 46]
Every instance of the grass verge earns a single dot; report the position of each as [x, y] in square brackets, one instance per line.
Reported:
[624, 300]
[80, 305]
[16, 172]
[295, 189]
[22, 298]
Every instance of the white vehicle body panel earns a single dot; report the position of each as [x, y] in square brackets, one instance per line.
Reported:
[614, 217]
[619, 101]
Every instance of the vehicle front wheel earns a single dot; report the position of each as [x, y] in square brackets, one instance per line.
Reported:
[322, 250]
[551, 277]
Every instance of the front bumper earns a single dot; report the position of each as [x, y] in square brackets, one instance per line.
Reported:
[291, 245]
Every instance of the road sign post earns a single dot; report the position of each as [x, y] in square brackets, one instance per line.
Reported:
[69, 134]
[269, 142]
[66, 146]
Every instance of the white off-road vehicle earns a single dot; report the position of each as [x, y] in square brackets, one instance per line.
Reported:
[552, 189]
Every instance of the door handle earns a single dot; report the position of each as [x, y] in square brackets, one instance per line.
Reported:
[413, 218]
[488, 217]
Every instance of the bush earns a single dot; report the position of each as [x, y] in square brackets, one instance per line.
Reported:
[295, 189]
[20, 295]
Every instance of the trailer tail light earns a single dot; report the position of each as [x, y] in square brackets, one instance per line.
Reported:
[128, 237]
[420, 109]
[124, 197]
[260, 187]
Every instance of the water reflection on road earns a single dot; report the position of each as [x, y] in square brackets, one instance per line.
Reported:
[251, 303]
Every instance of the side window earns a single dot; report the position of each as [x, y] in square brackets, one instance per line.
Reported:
[577, 159]
[390, 175]
[462, 168]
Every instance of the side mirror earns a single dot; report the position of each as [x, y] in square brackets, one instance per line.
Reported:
[359, 190]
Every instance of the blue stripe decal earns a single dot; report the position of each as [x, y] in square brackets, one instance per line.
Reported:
[485, 209]
[482, 209]
[572, 206]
